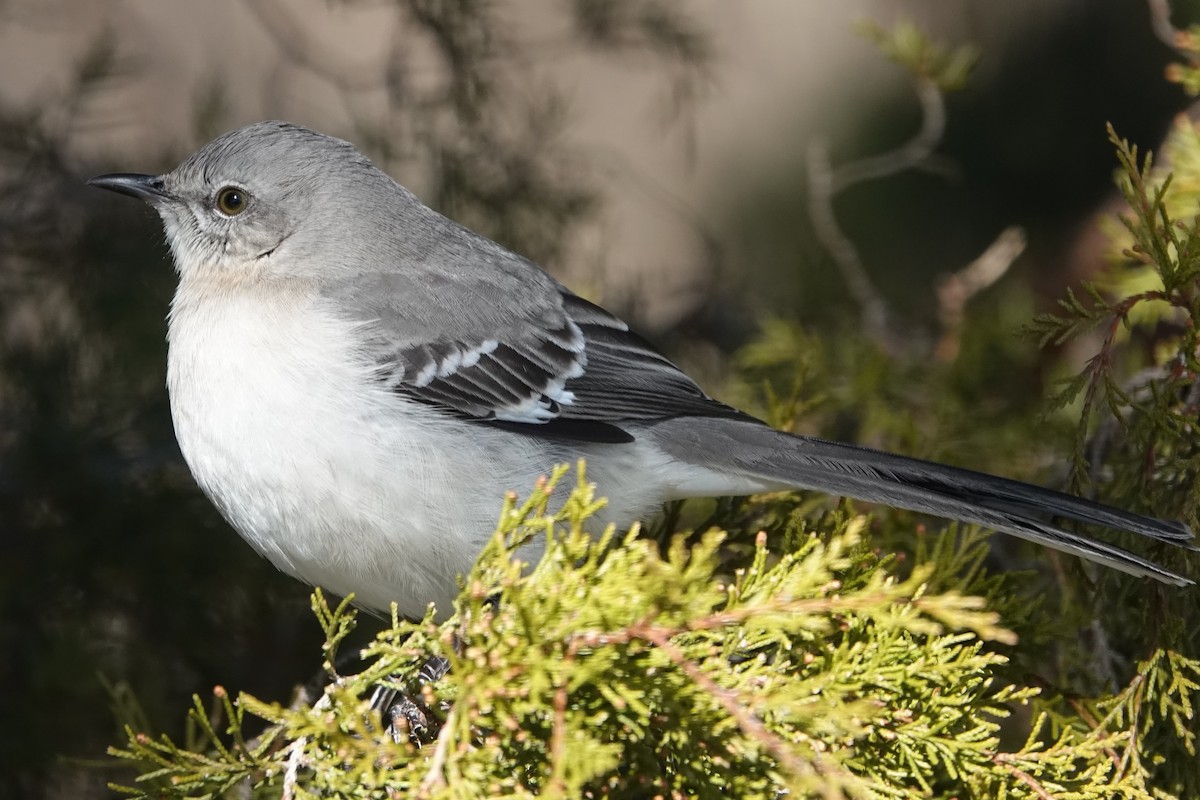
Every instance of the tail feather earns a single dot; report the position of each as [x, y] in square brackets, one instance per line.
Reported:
[1002, 504]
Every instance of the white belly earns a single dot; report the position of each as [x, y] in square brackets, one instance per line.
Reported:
[334, 479]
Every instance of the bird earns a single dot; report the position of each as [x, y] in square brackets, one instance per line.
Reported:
[356, 381]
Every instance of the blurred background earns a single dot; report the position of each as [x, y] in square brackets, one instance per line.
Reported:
[701, 167]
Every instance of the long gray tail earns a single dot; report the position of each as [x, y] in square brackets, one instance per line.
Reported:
[745, 448]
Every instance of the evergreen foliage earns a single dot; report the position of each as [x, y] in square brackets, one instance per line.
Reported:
[607, 669]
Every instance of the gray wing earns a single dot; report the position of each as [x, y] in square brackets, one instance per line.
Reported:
[507, 345]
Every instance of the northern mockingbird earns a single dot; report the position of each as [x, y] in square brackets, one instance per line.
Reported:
[356, 380]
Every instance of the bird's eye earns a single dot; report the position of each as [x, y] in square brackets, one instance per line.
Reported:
[232, 201]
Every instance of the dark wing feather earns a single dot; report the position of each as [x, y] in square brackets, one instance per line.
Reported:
[577, 373]
[520, 380]
[627, 378]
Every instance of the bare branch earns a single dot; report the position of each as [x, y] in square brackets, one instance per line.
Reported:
[955, 290]
[296, 758]
[436, 778]
[749, 724]
[820, 210]
[910, 154]
[826, 182]
[1160, 23]
[1002, 760]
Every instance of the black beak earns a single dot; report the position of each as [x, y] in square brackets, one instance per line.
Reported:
[143, 187]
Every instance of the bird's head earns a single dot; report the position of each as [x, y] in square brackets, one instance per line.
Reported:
[241, 203]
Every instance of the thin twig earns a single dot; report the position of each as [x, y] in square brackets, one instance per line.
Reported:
[955, 290]
[1024, 777]
[436, 777]
[749, 724]
[1136, 690]
[1160, 23]
[825, 183]
[911, 154]
[296, 751]
[558, 733]
[294, 762]
[1090, 720]
[660, 636]
[845, 255]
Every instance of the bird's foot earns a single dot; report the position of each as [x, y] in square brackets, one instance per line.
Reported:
[408, 714]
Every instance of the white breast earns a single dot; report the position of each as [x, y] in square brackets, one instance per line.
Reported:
[333, 479]
[337, 480]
